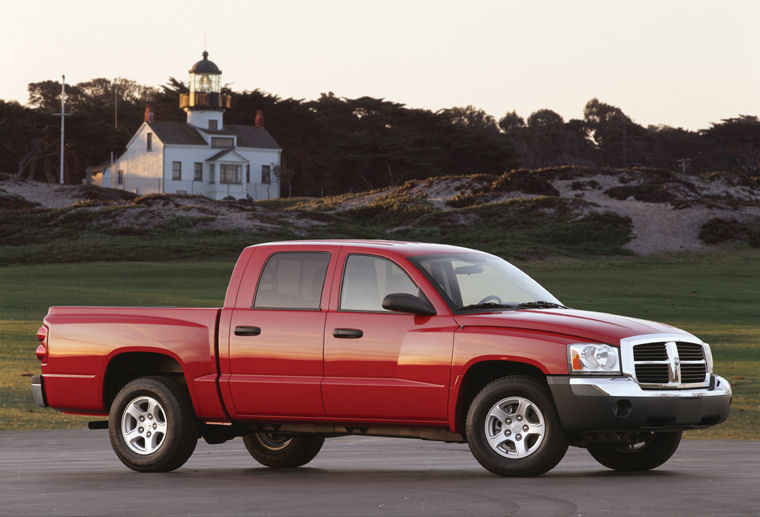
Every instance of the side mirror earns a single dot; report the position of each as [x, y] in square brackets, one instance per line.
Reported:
[403, 302]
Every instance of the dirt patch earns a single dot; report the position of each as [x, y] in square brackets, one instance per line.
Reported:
[667, 210]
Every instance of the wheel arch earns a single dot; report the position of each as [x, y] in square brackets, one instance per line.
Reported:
[481, 373]
[126, 366]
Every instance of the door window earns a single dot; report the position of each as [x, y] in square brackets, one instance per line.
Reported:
[368, 279]
[292, 280]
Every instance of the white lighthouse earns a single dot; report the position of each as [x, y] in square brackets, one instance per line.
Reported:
[203, 155]
[205, 104]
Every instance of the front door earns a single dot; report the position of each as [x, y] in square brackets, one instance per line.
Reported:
[381, 365]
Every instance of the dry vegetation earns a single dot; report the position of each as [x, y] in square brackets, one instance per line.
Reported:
[649, 211]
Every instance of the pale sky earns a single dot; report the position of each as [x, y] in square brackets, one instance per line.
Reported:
[680, 63]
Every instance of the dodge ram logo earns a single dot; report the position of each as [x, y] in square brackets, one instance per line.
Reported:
[674, 363]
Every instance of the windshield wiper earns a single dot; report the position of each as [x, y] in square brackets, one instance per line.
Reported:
[540, 305]
[488, 305]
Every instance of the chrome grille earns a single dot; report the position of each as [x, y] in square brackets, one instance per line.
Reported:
[650, 352]
[652, 373]
[670, 364]
[690, 352]
[691, 373]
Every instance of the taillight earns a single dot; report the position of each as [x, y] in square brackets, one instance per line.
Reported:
[42, 352]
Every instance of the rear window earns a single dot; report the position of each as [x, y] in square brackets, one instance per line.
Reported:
[292, 280]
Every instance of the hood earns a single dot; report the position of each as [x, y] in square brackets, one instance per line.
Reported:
[588, 326]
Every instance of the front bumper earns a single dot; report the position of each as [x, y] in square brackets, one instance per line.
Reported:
[38, 391]
[619, 404]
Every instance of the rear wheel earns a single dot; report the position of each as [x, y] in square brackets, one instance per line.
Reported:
[152, 425]
[282, 450]
[650, 451]
[513, 428]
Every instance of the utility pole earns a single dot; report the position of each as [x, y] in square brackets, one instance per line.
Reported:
[115, 109]
[625, 142]
[62, 114]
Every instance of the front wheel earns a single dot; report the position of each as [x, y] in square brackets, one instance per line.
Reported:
[152, 425]
[282, 450]
[650, 451]
[513, 428]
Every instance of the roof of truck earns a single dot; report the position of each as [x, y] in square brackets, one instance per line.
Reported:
[401, 247]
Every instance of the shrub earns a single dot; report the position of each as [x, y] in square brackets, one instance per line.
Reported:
[528, 182]
[719, 230]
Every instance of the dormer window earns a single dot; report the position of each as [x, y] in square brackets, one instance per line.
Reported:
[213, 124]
[222, 142]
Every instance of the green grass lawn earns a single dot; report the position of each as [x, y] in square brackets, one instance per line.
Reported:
[715, 296]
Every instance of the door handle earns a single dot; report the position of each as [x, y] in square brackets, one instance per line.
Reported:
[247, 331]
[348, 333]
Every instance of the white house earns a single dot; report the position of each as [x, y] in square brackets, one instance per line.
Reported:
[203, 155]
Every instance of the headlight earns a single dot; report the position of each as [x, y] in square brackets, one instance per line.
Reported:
[593, 358]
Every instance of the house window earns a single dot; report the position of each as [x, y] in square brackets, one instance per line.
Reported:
[149, 142]
[222, 142]
[211, 172]
[177, 171]
[213, 124]
[248, 173]
[120, 177]
[197, 171]
[230, 174]
[265, 174]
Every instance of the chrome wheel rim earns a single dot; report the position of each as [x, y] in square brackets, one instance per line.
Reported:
[143, 425]
[515, 427]
[273, 441]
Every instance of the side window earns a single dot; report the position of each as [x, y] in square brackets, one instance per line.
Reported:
[368, 279]
[292, 280]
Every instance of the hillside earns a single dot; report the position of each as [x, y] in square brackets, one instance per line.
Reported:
[525, 213]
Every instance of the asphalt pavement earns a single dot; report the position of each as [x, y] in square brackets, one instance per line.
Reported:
[75, 472]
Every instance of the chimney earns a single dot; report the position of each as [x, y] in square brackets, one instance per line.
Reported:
[148, 114]
[259, 119]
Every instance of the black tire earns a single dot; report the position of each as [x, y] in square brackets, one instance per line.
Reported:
[652, 451]
[513, 451]
[152, 425]
[282, 450]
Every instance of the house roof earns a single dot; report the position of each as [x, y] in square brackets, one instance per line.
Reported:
[170, 132]
[182, 133]
[223, 132]
[252, 136]
[230, 155]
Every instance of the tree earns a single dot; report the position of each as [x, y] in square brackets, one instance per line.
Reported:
[619, 140]
[739, 140]
[470, 117]
[511, 123]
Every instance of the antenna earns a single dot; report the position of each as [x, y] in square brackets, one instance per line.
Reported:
[204, 39]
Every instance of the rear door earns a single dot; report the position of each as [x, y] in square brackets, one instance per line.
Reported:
[276, 337]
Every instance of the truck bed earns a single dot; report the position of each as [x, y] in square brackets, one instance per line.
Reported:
[86, 340]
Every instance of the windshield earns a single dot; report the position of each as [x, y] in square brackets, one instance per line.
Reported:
[472, 281]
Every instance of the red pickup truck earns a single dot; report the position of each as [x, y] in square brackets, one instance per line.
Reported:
[318, 339]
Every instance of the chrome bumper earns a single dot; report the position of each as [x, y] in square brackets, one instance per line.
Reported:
[628, 388]
[38, 391]
[620, 404]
